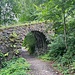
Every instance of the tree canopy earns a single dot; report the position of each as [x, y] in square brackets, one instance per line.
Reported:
[60, 12]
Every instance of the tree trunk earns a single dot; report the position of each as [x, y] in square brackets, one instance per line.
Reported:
[65, 35]
[0, 12]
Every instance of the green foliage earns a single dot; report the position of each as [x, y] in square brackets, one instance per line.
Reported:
[13, 39]
[14, 35]
[18, 10]
[7, 14]
[69, 56]
[61, 13]
[29, 41]
[15, 67]
[54, 9]
[29, 12]
[64, 59]
[57, 47]
[12, 48]
[45, 57]
[2, 60]
[1, 55]
[68, 70]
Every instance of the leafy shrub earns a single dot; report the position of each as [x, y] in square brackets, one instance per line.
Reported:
[69, 56]
[65, 59]
[15, 67]
[57, 47]
[1, 56]
[45, 57]
[2, 60]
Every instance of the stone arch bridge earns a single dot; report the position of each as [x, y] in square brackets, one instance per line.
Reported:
[39, 30]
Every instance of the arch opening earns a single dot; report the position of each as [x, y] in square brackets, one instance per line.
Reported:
[36, 41]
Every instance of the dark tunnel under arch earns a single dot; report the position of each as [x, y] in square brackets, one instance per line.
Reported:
[41, 42]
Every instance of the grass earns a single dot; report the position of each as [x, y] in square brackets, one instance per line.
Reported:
[44, 57]
[20, 24]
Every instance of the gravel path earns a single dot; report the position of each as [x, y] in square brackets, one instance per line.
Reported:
[39, 67]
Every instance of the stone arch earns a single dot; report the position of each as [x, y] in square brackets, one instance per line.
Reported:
[39, 29]
[41, 42]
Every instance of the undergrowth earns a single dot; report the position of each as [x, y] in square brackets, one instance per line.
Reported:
[16, 66]
[45, 57]
[64, 60]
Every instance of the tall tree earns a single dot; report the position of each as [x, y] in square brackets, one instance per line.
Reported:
[0, 12]
[23, 10]
[7, 14]
[58, 11]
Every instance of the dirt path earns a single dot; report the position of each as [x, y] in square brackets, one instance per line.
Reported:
[38, 67]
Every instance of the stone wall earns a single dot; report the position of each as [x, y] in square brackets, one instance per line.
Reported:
[21, 32]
